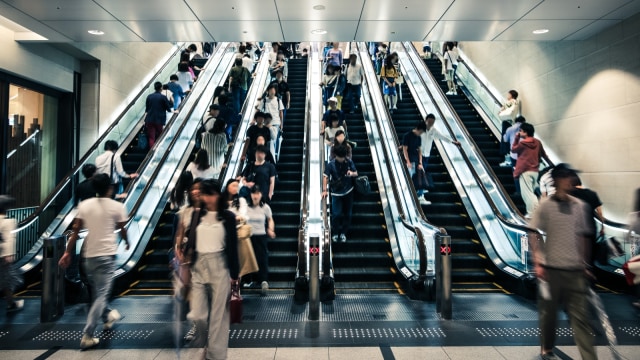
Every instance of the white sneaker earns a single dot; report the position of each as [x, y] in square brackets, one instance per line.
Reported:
[88, 342]
[16, 306]
[114, 315]
[343, 238]
[505, 164]
[424, 201]
[191, 334]
[264, 288]
[334, 238]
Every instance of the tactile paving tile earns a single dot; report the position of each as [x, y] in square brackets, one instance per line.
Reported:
[631, 330]
[72, 335]
[490, 316]
[388, 333]
[356, 308]
[276, 308]
[262, 334]
[520, 332]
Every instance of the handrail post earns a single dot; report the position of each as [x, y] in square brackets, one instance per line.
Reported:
[314, 278]
[443, 276]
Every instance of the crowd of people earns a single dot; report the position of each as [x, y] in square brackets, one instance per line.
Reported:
[213, 221]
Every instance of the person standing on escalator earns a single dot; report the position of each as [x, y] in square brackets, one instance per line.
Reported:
[338, 180]
[428, 136]
[157, 107]
[411, 148]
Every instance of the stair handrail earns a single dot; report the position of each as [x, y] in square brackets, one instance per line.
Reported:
[423, 71]
[76, 169]
[379, 117]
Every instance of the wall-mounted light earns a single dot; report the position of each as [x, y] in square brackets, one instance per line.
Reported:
[96, 32]
[319, 31]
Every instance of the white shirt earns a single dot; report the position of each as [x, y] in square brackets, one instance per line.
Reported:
[100, 216]
[427, 138]
[258, 215]
[547, 186]
[185, 79]
[210, 234]
[208, 121]
[454, 55]
[273, 107]
[103, 166]
[241, 210]
[247, 63]
[449, 60]
[8, 245]
[272, 57]
[209, 173]
[354, 74]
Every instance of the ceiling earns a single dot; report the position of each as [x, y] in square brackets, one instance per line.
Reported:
[295, 20]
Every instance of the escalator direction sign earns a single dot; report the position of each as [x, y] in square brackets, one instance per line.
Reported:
[314, 250]
[445, 250]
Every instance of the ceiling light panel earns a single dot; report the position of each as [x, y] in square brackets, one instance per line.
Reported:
[61, 10]
[148, 9]
[574, 9]
[468, 30]
[404, 9]
[558, 29]
[489, 9]
[384, 30]
[114, 31]
[334, 9]
[234, 30]
[160, 31]
[234, 10]
[336, 30]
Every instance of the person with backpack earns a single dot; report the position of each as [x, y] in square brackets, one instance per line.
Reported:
[110, 163]
[334, 84]
[261, 173]
[254, 131]
[338, 180]
[228, 114]
[284, 93]
[238, 80]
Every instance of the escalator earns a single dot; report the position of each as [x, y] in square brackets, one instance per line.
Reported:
[471, 268]
[364, 264]
[285, 203]
[488, 143]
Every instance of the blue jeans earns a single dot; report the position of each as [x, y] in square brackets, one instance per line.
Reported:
[425, 163]
[353, 96]
[99, 271]
[412, 171]
[341, 207]
[238, 94]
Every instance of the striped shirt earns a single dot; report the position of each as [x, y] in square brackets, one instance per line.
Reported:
[565, 227]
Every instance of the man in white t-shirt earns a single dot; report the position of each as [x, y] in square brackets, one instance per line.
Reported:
[101, 216]
[354, 74]
[272, 104]
[427, 138]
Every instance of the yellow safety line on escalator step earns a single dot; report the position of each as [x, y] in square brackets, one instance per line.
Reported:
[135, 283]
[489, 272]
[124, 292]
[475, 241]
[463, 215]
[384, 226]
[606, 288]
[34, 284]
[398, 287]
[386, 239]
[393, 270]
[149, 252]
[503, 289]
[482, 256]
[142, 267]
[389, 254]
[468, 227]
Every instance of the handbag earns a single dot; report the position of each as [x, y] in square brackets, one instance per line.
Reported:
[143, 139]
[188, 245]
[235, 304]
[246, 255]
[420, 181]
[363, 186]
[607, 249]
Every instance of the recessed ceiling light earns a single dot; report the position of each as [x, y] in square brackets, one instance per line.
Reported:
[540, 31]
[96, 32]
[319, 7]
[319, 31]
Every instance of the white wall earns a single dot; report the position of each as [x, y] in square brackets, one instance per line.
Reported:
[583, 97]
[122, 67]
[40, 63]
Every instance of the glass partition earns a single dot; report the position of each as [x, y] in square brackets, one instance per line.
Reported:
[502, 231]
[400, 205]
[147, 198]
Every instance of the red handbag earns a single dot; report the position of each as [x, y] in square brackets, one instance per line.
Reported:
[235, 306]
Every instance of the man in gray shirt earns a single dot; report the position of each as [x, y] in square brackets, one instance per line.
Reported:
[561, 264]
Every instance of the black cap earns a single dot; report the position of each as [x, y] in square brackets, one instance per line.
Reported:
[563, 170]
[214, 107]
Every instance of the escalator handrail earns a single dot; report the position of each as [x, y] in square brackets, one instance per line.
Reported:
[403, 217]
[608, 222]
[167, 153]
[423, 70]
[68, 177]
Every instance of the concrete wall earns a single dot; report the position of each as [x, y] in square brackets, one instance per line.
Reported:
[122, 67]
[583, 97]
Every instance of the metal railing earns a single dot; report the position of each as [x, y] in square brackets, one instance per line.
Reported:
[482, 191]
[54, 210]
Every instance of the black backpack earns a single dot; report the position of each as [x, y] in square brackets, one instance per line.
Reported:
[201, 130]
[362, 185]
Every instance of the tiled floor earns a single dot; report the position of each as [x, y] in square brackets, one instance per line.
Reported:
[321, 353]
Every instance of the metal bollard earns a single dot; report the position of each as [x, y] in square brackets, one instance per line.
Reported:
[443, 276]
[314, 278]
[52, 303]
